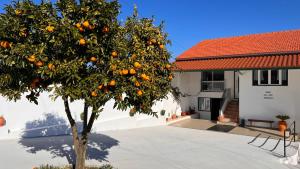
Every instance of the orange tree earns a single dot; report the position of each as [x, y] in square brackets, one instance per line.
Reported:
[80, 51]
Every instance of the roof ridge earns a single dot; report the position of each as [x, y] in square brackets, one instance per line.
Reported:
[240, 55]
[253, 34]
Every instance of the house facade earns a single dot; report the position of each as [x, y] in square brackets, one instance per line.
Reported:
[245, 77]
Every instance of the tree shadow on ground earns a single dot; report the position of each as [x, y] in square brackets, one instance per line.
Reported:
[52, 134]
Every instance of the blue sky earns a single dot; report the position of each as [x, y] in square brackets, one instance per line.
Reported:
[190, 21]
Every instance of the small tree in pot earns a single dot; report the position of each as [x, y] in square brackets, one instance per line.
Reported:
[282, 123]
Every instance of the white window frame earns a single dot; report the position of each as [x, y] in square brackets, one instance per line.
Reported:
[206, 102]
[269, 78]
[212, 82]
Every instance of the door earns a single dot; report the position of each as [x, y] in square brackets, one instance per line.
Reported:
[236, 84]
[215, 108]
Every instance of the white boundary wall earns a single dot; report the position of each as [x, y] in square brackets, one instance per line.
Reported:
[48, 118]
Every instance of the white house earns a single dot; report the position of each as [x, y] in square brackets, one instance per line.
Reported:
[244, 77]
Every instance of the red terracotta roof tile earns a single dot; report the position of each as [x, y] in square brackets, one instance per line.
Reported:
[265, 43]
[238, 63]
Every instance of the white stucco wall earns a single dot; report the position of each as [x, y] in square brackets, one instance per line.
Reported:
[190, 83]
[48, 118]
[285, 99]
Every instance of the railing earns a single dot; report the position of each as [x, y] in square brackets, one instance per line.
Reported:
[225, 100]
[291, 128]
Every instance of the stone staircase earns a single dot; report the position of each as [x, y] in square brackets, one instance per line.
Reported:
[232, 111]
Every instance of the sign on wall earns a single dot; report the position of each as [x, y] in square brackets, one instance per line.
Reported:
[268, 95]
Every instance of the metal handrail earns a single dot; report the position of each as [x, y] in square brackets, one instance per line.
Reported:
[254, 138]
[284, 136]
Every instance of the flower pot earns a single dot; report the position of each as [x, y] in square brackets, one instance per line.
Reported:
[183, 113]
[174, 116]
[282, 126]
[2, 121]
[221, 118]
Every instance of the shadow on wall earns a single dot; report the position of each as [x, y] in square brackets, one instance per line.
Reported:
[57, 141]
[51, 125]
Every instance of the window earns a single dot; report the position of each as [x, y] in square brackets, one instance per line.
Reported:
[212, 81]
[203, 104]
[270, 77]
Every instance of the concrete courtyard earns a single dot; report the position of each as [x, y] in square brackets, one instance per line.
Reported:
[163, 147]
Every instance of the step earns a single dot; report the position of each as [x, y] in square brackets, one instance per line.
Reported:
[227, 123]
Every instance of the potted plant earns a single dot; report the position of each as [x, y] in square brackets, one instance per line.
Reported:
[168, 118]
[184, 113]
[2, 121]
[282, 123]
[174, 116]
[191, 110]
[162, 112]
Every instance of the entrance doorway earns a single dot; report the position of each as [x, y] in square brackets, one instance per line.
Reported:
[236, 84]
[215, 108]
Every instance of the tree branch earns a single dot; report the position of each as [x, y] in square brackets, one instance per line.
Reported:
[92, 119]
[68, 112]
[85, 114]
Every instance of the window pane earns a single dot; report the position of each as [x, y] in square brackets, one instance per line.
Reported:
[218, 76]
[255, 78]
[264, 77]
[204, 104]
[284, 77]
[206, 86]
[206, 76]
[274, 76]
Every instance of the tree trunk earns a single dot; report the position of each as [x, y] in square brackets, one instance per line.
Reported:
[80, 155]
[80, 143]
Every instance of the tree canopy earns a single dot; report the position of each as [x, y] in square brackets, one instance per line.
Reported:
[80, 51]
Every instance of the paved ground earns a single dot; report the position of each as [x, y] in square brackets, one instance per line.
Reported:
[162, 147]
[201, 124]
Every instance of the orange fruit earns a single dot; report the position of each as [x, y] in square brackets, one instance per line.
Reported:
[5, 44]
[113, 67]
[50, 28]
[132, 71]
[18, 12]
[143, 76]
[86, 24]
[137, 84]
[114, 54]
[121, 72]
[161, 46]
[105, 29]
[93, 59]
[78, 25]
[82, 42]
[124, 72]
[133, 56]
[139, 92]
[100, 87]
[137, 65]
[112, 83]
[39, 63]
[94, 94]
[168, 66]
[50, 66]
[80, 29]
[170, 77]
[31, 58]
